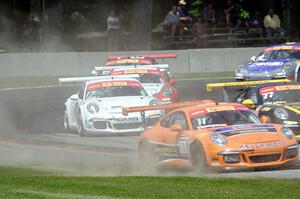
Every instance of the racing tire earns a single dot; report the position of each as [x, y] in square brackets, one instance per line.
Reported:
[198, 158]
[80, 129]
[298, 76]
[147, 158]
[66, 122]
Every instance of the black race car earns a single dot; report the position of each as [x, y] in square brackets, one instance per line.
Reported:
[275, 103]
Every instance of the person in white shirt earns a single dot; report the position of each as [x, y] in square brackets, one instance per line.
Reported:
[113, 30]
[272, 25]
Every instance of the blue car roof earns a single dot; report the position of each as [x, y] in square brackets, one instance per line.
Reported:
[286, 44]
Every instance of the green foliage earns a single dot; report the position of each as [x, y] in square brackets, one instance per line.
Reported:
[244, 14]
[195, 7]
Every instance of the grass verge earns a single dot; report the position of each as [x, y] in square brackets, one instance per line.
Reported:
[27, 183]
[15, 82]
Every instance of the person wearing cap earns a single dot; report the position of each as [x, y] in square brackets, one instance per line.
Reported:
[185, 20]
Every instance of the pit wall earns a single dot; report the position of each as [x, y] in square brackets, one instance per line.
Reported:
[81, 63]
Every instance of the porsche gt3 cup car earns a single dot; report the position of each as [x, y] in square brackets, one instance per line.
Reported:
[223, 136]
[274, 101]
[153, 81]
[138, 60]
[97, 107]
[275, 62]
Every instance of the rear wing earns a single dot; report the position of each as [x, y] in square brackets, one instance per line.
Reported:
[167, 107]
[154, 56]
[225, 85]
[157, 66]
[78, 80]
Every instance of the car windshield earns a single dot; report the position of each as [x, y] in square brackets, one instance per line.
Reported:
[223, 118]
[264, 56]
[150, 78]
[285, 96]
[115, 91]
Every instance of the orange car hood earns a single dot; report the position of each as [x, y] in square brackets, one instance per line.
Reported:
[248, 134]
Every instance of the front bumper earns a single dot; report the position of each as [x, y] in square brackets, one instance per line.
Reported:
[252, 159]
[119, 124]
[259, 76]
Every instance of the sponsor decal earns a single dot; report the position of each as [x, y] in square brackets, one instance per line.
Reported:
[220, 108]
[270, 89]
[125, 61]
[96, 85]
[244, 127]
[266, 145]
[266, 64]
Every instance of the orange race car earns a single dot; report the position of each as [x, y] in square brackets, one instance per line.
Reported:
[211, 135]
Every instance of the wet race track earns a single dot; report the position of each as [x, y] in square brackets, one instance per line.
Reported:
[32, 135]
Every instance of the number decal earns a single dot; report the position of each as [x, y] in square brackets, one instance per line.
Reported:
[184, 145]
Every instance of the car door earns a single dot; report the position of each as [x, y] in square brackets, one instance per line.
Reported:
[170, 136]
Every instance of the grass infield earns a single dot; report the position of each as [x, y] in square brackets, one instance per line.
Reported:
[13, 82]
[28, 183]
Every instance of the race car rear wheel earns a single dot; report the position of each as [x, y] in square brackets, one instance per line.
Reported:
[147, 157]
[198, 158]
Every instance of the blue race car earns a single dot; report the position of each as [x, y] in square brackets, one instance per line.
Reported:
[275, 62]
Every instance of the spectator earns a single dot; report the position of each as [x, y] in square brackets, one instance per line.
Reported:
[209, 15]
[183, 15]
[32, 32]
[113, 30]
[256, 20]
[272, 25]
[171, 21]
[232, 14]
[199, 32]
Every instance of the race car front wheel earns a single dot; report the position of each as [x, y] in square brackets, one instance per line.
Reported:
[80, 129]
[298, 76]
[198, 158]
[66, 121]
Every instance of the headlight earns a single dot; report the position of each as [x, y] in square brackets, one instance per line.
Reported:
[93, 108]
[281, 113]
[218, 139]
[154, 102]
[287, 132]
[241, 69]
[167, 91]
[287, 66]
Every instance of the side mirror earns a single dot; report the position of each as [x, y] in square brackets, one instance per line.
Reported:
[74, 97]
[173, 81]
[253, 58]
[176, 127]
[249, 103]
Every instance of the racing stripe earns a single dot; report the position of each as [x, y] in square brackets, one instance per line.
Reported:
[292, 109]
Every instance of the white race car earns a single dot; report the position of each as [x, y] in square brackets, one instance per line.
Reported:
[97, 107]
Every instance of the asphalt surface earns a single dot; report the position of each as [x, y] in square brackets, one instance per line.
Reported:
[32, 135]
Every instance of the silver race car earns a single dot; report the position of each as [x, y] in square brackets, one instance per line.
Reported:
[97, 108]
[275, 62]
